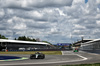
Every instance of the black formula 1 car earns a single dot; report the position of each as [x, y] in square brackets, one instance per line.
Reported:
[37, 55]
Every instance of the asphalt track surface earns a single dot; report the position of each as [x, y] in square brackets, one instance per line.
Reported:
[68, 57]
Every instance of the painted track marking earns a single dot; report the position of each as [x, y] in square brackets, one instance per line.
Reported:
[23, 58]
[84, 58]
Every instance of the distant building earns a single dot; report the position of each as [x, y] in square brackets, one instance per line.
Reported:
[78, 43]
[88, 44]
[16, 45]
[38, 40]
[91, 45]
[64, 45]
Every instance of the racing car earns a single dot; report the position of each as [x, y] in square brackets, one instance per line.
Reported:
[37, 55]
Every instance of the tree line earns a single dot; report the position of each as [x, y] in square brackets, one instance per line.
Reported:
[2, 37]
[24, 38]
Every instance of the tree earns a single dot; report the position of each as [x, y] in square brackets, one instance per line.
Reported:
[15, 39]
[47, 42]
[33, 40]
[2, 37]
[24, 38]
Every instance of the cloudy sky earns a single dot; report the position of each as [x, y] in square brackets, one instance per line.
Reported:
[56, 21]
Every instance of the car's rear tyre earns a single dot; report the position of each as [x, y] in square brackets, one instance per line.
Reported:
[43, 57]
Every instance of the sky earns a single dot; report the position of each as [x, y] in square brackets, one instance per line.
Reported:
[86, 1]
[55, 21]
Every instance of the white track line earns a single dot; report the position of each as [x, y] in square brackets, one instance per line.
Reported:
[23, 58]
[62, 52]
[84, 58]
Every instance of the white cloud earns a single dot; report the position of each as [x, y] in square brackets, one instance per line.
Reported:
[2, 13]
[10, 21]
[37, 14]
[61, 12]
[20, 26]
[79, 26]
[98, 1]
[97, 16]
[98, 22]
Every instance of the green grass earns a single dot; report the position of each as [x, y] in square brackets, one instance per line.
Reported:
[96, 64]
[32, 52]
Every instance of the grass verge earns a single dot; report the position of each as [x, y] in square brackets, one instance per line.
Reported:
[96, 64]
[32, 52]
